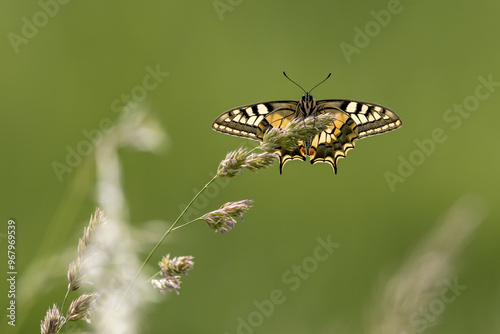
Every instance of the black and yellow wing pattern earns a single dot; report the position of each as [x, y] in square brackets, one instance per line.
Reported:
[353, 120]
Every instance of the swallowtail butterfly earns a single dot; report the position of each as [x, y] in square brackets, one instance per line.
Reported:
[353, 120]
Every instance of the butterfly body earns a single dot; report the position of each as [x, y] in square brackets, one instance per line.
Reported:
[353, 120]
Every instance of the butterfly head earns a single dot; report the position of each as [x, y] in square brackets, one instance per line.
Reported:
[307, 98]
[307, 105]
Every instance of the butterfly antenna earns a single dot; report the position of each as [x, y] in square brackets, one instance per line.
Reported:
[329, 74]
[295, 82]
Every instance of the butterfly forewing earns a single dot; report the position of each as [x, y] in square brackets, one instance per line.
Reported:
[371, 119]
[253, 120]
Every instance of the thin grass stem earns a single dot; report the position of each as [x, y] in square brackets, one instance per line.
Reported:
[165, 235]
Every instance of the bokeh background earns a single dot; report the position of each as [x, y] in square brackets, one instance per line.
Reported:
[61, 79]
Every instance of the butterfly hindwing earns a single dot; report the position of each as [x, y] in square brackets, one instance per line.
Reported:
[330, 145]
[288, 155]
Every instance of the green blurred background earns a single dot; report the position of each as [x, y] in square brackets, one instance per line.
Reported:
[420, 62]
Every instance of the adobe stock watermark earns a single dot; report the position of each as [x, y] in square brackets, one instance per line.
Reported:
[123, 105]
[293, 279]
[425, 317]
[453, 117]
[31, 25]
[223, 6]
[362, 37]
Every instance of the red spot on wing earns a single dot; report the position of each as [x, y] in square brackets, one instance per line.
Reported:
[312, 151]
[303, 150]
